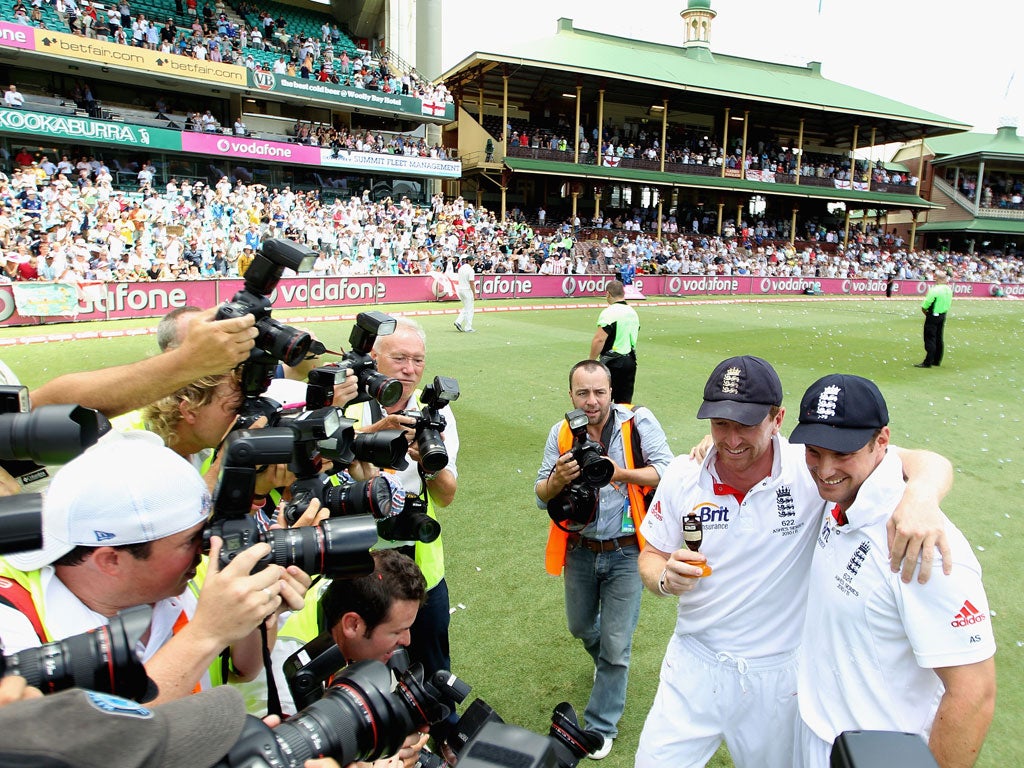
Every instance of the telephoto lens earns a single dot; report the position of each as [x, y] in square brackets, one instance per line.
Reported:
[359, 719]
[102, 659]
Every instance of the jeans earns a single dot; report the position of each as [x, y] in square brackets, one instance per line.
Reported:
[602, 605]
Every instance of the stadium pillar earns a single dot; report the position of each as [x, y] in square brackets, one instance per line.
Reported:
[871, 157]
[853, 156]
[576, 140]
[480, 102]
[597, 201]
[743, 154]
[599, 149]
[977, 189]
[799, 150]
[659, 217]
[920, 171]
[725, 154]
[846, 229]
[664, 134]
[718, 231]
[504, 191]
[913, 229]
[739, 218]
[504, 111]
[575, 200]
[956, 180]
[792, 226]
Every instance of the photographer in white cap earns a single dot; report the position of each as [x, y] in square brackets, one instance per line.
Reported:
[123, 526]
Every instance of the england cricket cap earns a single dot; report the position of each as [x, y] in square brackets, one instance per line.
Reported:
[840, 413]
[741, 389]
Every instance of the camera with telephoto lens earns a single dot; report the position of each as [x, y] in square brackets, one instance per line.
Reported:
[261, 278]
[385, 449]
[430, 423]
[338, 547]
[102, 659]
[50, 434]
[359, 719]
[579, 500]
[373, 385]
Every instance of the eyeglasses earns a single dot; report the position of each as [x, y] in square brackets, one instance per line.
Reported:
[403, 359]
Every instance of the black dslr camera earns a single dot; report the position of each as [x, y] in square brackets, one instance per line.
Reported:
[102, 659]
[338, 547]
[481, 739]
[372, 384]
[50, 434]
[578, 501]
[430, 423]
[261, 278]
[359, 719]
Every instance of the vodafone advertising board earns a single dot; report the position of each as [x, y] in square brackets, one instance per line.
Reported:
[113, 301]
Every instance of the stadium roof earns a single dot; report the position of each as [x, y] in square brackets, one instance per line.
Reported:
[1005, 144]
[595, 172]
[639, 72]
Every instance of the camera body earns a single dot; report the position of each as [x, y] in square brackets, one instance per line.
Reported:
[413, 524]
[372, 384]
[430, 423]
[578, 502]
[261, 278]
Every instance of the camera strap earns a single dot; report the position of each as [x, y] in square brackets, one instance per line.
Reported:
[273, 699]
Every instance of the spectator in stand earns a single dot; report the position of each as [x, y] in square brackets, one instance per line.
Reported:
[13, 98]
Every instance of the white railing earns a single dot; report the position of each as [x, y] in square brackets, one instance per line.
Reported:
[955, 195]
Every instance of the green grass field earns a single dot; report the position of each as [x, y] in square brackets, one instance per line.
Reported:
[508, 631]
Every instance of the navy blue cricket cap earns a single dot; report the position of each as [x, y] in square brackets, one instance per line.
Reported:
[741, 389]
[840, 413]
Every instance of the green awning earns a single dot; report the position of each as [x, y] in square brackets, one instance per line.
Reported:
[636, 175]
[981, 226]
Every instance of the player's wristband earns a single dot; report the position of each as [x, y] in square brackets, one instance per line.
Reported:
[661, 584]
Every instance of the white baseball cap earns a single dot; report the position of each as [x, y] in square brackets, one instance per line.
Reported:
[127, 489]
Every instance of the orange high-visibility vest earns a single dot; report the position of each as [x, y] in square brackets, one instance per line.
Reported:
[554, 555]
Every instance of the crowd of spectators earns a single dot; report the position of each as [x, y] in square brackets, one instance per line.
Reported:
[213, 35]
[73, 232]
[633, 141]
[1001, 190]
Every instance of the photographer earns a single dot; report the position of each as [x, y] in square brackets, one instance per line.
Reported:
[369, 618]
[113, 542]
[402, 355]
[602, 585]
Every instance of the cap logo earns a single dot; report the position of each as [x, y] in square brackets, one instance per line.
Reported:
[827, 402]
[731, 382]
[104, 535]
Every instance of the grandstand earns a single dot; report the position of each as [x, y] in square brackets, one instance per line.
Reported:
[593, 126]
[193, 78]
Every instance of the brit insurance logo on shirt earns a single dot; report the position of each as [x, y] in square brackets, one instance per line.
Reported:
[786, 507]
[713, 516]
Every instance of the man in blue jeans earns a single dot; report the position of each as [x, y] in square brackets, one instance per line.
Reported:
[596, 541]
